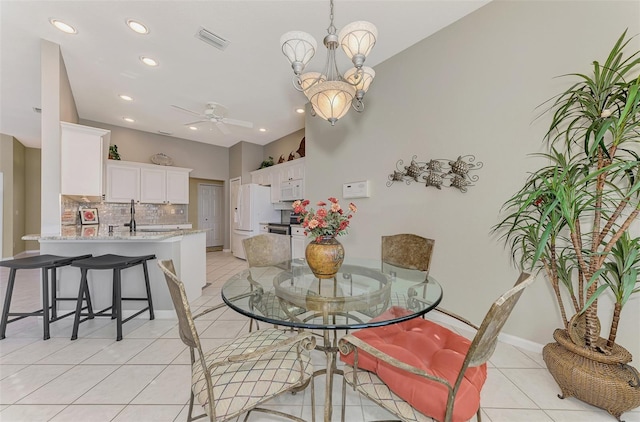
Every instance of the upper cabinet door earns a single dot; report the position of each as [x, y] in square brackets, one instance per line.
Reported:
[292, 170]
[147, 183]
[178, 186]
[123, 182]
[153, 185]
[83, 152]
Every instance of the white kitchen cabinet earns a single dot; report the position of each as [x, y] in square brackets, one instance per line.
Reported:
[275, 187]
[294, 170]
[178, 186]
[298, 242]
[83, 151]
[262, 176]
[123, 182]
[274, 176]
[153, 185]
[149, 183]
[268, 176]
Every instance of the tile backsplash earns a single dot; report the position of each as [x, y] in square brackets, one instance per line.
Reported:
[118, 214]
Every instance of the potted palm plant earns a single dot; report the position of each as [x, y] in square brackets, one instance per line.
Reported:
[571, 221]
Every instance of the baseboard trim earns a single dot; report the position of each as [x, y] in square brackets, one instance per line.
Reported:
[503, 337]
[159, 314]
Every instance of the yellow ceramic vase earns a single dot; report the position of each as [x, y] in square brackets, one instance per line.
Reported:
[324, 257]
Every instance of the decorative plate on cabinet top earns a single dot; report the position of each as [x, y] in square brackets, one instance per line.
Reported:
[161, 159]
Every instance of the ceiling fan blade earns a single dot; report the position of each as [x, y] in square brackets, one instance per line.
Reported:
[186, 110]
[195, 123]
[223, 128]
[237, 122]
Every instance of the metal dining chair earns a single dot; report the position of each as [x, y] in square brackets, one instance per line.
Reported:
[408, 251]
[242, 374]
[405, 254]
[264, 251]
[421, 371]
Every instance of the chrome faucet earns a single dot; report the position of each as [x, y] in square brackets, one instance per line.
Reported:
[132, 223]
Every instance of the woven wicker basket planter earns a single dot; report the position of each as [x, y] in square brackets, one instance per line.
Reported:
[604, 381]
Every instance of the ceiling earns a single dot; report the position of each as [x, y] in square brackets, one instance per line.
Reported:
[251, 77]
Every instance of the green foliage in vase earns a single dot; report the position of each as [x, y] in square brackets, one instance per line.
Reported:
[572, 216]
[266, 163]
[113, 152]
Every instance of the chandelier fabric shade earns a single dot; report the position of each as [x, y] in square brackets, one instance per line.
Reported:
[329, 92]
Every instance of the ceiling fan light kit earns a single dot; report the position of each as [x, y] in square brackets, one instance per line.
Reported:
[215, 114]
[329, 92]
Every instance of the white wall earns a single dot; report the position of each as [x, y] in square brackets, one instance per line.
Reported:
[50, 132]
[472, 88]
[57, 105]
[1, 205]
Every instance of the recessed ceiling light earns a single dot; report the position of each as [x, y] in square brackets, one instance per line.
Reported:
[137, 27]
[126, 97]
[193, 128]
[148, 61]
[299, 110]
[262, 129]
[128, 119]
[64, 27]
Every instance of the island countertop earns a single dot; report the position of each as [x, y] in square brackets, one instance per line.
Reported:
[95, 233]
[185, 247]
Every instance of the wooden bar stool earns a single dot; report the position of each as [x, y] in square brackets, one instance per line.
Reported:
[49, 311]
[116, 263]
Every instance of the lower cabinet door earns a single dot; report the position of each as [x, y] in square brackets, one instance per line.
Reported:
[297, 247]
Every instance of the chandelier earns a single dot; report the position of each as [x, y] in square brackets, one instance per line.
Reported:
[329, 92]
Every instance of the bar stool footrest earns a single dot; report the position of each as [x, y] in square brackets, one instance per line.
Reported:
[135, 315]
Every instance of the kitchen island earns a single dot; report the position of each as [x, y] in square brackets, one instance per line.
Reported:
[187, 249]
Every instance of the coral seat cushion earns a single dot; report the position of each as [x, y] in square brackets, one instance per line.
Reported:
[430, 347]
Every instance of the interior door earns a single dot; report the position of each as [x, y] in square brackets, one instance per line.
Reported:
[234, 186]
[210, 215]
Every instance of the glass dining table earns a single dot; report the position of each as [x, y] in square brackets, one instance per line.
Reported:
[361, 295]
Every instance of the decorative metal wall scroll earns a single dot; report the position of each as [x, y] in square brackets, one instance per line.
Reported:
[436, 172]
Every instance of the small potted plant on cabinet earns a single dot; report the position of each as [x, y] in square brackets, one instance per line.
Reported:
[571, 221]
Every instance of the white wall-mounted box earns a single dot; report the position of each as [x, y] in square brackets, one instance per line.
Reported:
[356, 190]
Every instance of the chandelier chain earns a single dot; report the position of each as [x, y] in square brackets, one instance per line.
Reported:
[331, 29]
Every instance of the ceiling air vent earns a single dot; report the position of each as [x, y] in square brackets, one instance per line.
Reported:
[162, 132]
[211, 38]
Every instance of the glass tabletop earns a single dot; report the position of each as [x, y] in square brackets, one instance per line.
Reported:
[364, 293]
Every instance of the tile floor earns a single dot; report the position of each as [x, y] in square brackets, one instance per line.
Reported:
[145, 377]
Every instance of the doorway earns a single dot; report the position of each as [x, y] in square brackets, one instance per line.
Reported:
[234, 186]
[210, 213]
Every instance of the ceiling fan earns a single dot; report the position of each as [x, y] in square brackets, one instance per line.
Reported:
[217, 114]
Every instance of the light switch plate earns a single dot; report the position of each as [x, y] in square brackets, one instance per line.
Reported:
[356, 189]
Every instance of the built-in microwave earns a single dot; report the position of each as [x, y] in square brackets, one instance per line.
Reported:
[291, 190]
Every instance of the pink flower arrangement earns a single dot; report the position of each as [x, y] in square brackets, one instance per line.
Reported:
[332, 221]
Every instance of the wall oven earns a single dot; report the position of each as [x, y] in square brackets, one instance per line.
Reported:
[277, 228]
